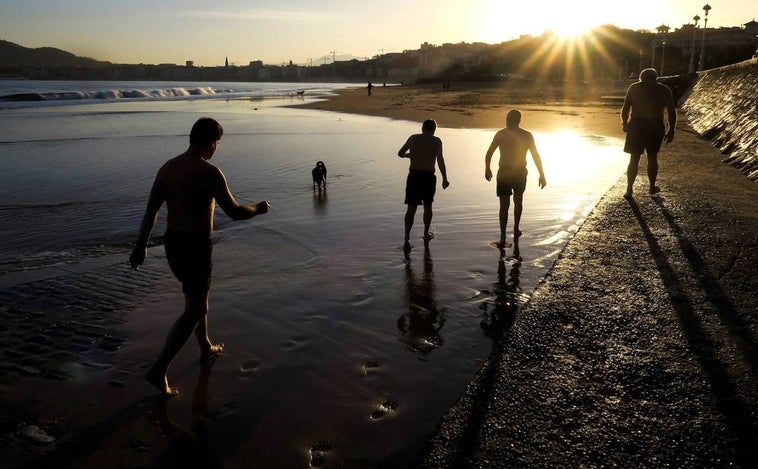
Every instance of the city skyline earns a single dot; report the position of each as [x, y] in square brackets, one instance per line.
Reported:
[304, 31]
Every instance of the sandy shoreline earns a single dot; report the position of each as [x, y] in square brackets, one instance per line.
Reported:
[594, 111]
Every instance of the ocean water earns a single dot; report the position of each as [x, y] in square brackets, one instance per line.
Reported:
[334, 338]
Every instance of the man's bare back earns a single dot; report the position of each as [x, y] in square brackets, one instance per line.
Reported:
[423, 150]
[648, 100]
[513, 143]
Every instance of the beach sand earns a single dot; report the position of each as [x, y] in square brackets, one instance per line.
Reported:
[545, 108]
[130, 428]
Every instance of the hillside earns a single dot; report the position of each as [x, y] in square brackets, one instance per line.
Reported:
[13, 55]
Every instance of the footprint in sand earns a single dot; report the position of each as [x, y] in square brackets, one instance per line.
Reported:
[249, 366]
[390, 405]
[369, 367]
[295, 344]
[318, 452]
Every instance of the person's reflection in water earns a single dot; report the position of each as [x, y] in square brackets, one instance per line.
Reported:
[497, 319]
[189, 448]
[420, 326]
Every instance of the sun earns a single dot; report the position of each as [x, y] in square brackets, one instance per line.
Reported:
[570, 31]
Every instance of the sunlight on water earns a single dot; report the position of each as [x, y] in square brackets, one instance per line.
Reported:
[574, 158]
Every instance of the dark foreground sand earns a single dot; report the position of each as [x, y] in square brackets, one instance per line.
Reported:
[639, 348]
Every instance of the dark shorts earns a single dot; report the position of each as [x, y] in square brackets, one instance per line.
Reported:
[644, 135]
[511, 182]
[189, 256]
[420, 187]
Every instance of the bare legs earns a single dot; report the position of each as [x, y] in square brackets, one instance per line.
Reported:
[194, 318]
[518, 208]
[631, 174]
[652, 172]
[633, 168]
[410, 213]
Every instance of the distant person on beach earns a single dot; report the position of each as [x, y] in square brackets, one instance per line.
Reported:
[424, 150]
[190, 187]
[368, 87]
[645, 101]
[513, 142]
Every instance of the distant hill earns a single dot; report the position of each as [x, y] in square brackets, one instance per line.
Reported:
[13, 55]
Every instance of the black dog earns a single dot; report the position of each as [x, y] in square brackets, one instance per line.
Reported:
[319, 175]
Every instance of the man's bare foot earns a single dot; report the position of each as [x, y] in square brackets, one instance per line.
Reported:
[517, 233]
[407, 247]
[428, 236]
[628, 196]
[215, 351]
[161, 382]
[503, 244]
[654, 190]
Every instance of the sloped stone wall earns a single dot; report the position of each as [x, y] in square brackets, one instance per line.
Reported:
[722, 106]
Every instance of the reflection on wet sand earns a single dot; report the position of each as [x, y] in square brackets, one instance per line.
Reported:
[319, 198]
[497, 319]
[420, 326]
[188, 447]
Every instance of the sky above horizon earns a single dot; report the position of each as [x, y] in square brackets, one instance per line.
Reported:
[315, 31]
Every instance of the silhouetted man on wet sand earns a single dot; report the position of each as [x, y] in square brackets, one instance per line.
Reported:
[513, 142]
[190, 187]
[645, 131]
[424, 150]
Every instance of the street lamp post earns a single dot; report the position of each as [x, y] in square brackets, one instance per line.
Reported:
[663, 55]
[706, 9]
[695, 18]
[640, 60]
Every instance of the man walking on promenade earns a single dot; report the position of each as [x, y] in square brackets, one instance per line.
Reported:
[424, 150]
[513, 142]
[190, 187]
[645, 131]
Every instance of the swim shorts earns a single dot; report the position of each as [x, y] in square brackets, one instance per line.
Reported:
[511, 182]
[189, 256]
[420, 187]
[644, 135]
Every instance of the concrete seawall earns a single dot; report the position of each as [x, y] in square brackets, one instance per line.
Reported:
[722, 106]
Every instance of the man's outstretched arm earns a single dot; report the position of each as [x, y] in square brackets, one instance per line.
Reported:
[229, 204]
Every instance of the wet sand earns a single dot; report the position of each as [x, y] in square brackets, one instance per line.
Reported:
[122, 421]
[657, 366]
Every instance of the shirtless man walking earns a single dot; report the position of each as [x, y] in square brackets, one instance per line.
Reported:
[190, 187]
[645, 131]
[424, 150]
[513, 142]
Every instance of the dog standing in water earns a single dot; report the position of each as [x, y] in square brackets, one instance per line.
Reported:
[319, 175]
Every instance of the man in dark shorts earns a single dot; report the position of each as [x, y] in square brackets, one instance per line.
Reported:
[190, 187]
[424, 150]
[645, 101]
[513, 142]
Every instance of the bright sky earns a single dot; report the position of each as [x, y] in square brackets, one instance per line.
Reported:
[306, 31]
